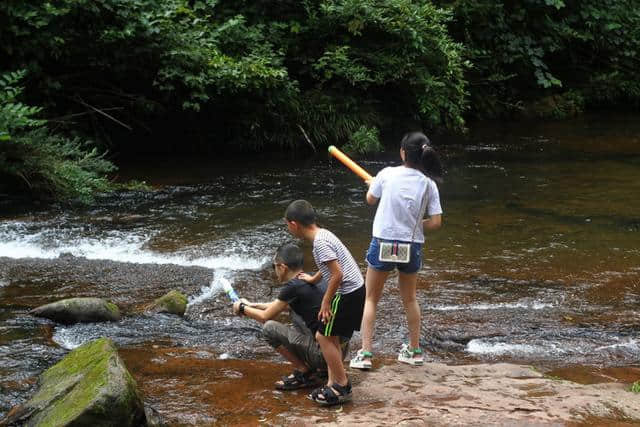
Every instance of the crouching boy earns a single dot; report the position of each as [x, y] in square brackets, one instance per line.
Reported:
[296, 342]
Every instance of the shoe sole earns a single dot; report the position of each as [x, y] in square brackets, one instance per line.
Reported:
[362, 368]
[283, 388]
[412, 363]
[341, 400]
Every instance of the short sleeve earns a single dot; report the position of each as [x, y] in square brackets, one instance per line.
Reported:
[323, 251]
[433, 206]
[376, 185]
[287, 294]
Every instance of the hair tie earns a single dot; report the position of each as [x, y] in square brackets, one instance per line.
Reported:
[424, 146]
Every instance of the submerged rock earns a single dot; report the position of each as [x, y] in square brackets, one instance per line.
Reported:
[88, 387]
[154, 419]
[74, 310]
[173, 302]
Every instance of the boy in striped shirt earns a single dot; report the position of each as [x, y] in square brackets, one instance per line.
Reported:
[342, 304]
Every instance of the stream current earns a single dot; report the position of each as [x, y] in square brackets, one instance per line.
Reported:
[538, 262]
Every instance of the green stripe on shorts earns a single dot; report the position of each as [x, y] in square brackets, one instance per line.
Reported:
[334, 309]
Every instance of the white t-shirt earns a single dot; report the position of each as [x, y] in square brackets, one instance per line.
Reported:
[401, 191]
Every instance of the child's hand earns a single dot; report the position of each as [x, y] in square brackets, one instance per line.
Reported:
[236, 308]
[306, 277]
[368, 182]
[324, 315]
[246, 301]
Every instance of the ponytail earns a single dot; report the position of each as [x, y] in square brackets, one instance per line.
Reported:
[421, 155]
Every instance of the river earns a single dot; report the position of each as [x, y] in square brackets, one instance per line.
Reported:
[538, 262]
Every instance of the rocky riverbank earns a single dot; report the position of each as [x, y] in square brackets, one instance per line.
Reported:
[212, 368]
[484, 394]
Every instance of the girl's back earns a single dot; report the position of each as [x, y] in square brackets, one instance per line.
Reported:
[401, 191]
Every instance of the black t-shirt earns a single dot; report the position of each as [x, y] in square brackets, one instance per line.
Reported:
[305, 300]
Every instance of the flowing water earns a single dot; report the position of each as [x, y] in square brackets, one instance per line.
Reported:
[538, 262]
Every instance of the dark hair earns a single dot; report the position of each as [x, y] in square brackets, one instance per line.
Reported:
[291, 255]
[301, 212]
[421, 155]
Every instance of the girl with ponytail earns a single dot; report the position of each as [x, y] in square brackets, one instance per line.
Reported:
[403, 194]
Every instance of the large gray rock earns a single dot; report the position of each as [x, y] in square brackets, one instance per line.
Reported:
[74, 310]
[173, 302]
[88, 387]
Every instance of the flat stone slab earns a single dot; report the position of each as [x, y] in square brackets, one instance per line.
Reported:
[483, 394]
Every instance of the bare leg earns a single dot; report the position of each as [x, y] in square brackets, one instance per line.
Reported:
[293, 359]
[407, 286]
[374, 283]
[330, 347]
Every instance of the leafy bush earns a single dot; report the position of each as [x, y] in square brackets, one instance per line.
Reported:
[364, 140]
[40, 161]
[522, 51]
[244, 74]
[635, 387]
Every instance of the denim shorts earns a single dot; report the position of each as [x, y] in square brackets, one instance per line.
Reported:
[414, 264]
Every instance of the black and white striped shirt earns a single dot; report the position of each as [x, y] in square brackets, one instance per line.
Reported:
[327, 247]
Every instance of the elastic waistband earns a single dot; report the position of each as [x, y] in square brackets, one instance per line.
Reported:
[396, 241]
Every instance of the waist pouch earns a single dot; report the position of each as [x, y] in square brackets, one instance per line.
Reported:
[394, 252]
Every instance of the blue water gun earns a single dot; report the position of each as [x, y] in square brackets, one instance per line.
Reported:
[228, 289]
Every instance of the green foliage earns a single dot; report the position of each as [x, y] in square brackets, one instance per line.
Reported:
[363, 141]
[526, 50]
[41, 161]
[635, 387]
[214, 74]
[557, 106]
[14, 115]
[243, 73]
[377, 50]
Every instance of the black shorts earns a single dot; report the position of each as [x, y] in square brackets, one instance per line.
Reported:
[347, 314]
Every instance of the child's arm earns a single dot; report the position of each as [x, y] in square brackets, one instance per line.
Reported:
[375, 190]
[371, 199]
[259, 305]
[335, 279]
[432, 223]
[270, 311]
[309, 278]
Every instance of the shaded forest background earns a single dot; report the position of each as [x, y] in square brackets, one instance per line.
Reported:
[79, 78]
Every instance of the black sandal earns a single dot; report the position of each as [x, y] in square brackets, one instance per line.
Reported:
[296, 380]
[327, 396]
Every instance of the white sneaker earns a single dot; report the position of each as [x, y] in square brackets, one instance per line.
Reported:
[362, 360]
[412, 357]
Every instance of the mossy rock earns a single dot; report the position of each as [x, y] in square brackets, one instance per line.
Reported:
[173, 302]
[74, 310]
[89, 387]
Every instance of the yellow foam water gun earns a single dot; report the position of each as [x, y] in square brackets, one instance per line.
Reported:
[355, 168]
